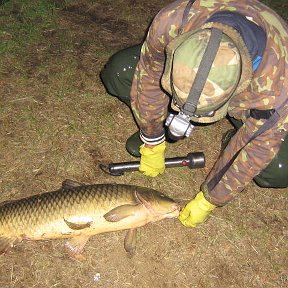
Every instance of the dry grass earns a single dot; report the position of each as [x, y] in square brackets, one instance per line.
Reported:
[57, 122]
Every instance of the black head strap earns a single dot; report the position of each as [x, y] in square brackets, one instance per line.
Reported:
[190, 106]
[186, 14]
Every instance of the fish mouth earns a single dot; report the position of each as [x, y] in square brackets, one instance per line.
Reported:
[175, 212]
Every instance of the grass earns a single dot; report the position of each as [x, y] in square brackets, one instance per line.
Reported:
[280, 6]
[58, 122]
[23, 22]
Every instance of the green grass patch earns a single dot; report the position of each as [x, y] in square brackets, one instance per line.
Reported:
[23, 23]
[280, 6]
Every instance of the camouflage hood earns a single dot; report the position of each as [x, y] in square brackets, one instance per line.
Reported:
[230, 74]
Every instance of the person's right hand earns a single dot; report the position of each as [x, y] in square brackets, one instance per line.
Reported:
[152, 162]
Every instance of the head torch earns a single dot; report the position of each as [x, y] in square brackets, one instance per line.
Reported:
[179, 125]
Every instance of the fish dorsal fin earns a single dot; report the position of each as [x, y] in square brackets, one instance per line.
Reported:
[68, 184]
[6, 202]
[6, 243]
[78, 226]
[121, 212]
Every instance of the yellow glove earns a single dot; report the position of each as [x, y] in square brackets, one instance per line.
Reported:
[152, 162]
[196, 211]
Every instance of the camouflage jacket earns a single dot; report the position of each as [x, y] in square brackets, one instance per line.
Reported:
[268, 89]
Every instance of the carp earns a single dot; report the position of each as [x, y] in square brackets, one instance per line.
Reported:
[78, 211]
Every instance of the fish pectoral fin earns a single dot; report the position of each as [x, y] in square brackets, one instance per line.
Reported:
[130, 241]
[121, 212]
[68, 184]
[77, 226]
[75, 246]
[6, 243]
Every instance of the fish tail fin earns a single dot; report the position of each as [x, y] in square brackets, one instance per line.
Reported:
[6, 243]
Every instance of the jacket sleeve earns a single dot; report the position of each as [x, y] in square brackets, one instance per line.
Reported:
[268, 90]
[251, 160]
[149, 102]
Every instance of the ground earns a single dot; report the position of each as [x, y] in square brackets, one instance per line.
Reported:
[58, 122]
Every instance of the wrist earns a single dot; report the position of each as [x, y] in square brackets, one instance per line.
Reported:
[149, 146]
[152, 140]
[204, 204]
[160, 148]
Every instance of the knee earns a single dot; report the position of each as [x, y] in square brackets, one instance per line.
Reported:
[111, 78]
[117, 74]
[274, 175]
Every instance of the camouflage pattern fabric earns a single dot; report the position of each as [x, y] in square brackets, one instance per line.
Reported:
[267, 90]
[182, 65]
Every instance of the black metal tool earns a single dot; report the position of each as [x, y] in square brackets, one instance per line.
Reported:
[192, 161]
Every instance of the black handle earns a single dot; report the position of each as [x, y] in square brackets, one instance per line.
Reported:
[192, 161]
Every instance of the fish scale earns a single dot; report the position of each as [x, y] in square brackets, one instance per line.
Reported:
[80, 212]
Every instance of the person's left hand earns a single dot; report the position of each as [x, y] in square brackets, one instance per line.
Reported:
[196, 211]
[152, 162]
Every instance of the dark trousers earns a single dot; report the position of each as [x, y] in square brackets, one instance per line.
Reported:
[117, 75]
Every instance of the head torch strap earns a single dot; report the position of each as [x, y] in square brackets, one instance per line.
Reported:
[186, 15]
[189, 107]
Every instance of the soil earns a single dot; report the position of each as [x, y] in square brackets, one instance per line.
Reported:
[58, 122]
